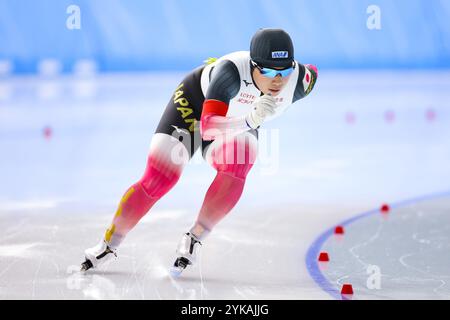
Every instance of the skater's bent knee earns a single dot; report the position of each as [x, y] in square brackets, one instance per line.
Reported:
[234, 157]
[160, 176]
[235, 170]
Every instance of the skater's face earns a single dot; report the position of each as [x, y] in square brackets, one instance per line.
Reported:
[270, 85]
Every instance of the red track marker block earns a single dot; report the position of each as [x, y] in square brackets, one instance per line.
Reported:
[323, 257]
[350, 118]
[339, 230]
[347, 289]
[389, 116]
[430, 115]
[47, 132]
[385, 208]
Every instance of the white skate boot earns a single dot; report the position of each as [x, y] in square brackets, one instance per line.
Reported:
[187, 252]
[97, 255]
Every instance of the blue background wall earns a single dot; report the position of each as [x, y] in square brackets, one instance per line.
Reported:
[179, 34]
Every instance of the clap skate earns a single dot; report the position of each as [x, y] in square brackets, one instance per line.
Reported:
[187, 252]
[97, 256]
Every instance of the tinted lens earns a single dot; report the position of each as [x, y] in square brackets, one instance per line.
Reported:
[272, 73]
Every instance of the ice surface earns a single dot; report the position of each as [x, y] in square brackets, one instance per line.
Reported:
[360, 139]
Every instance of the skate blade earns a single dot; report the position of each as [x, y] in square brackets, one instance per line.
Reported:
[85, 266]
[175, 272]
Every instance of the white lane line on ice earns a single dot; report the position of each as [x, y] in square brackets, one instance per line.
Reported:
[375, 236]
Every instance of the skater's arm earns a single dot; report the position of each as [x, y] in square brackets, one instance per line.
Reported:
[224, 85]
[306, 80]
[217, 124]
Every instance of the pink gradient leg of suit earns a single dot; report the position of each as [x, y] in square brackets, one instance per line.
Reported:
[232, 158]
[161, 174]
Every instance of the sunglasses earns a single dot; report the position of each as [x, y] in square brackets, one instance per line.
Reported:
[272, 73]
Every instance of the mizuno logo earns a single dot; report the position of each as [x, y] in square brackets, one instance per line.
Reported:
[279, 54]
[247, 83]
[179, 130]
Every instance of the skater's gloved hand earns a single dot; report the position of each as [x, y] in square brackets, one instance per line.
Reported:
[262, 107]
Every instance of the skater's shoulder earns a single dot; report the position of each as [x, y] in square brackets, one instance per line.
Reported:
[241, 59]
[225, 81]
[307, 77]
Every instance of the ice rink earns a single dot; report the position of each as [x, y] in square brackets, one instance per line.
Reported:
[70, 146]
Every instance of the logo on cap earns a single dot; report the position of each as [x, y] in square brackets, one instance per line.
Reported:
[279, 54]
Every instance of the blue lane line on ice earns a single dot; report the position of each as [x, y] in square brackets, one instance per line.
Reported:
[313, 251]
